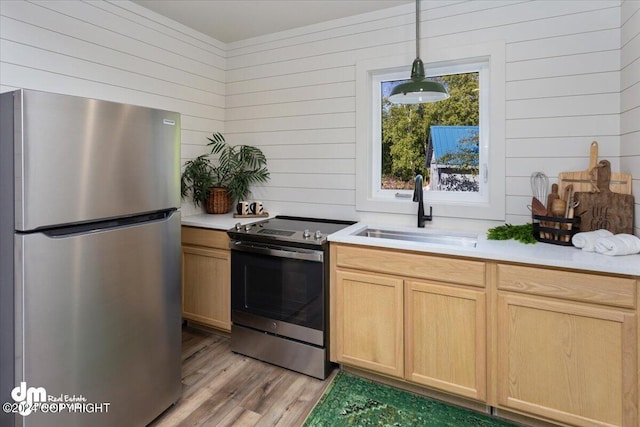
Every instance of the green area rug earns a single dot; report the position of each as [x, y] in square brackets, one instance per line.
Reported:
[353, 401]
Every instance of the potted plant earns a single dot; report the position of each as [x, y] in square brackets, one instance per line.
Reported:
[218, 185]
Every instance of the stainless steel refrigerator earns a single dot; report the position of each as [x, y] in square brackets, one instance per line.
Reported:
[89, 261]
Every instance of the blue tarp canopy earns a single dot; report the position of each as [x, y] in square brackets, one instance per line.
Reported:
[449, 140]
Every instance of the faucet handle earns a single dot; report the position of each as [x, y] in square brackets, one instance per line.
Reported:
[430, 216]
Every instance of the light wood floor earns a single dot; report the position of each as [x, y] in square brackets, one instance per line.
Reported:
[221, 388]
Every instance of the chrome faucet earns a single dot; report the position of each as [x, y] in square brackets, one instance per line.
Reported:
[417, 197]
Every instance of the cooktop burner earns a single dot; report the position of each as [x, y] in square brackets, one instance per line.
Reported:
[299, 230]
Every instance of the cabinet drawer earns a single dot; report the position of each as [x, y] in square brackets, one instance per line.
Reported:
[592, 288]
[413, 265]
[205, 237]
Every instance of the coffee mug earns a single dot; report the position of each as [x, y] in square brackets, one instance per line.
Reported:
[256, 208]
[242, 208]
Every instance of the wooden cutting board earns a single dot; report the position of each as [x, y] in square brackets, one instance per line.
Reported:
[605, 209]
[584, 181]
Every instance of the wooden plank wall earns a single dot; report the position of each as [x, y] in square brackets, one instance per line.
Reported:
[116, 51]
[630, 99]
[293, 93]
[571, 77]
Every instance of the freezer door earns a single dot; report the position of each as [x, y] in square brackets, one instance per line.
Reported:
[101, 321]
[79, 159]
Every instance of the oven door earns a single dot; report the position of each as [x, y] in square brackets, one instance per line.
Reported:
[279, 290]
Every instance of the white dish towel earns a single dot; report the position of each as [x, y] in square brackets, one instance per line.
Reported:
[587, 239]
[620, 244]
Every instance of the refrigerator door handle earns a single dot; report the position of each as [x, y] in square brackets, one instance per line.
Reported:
[90, 227]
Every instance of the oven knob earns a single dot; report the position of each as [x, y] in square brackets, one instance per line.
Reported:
[238, 226]
[318, 235]
[274, 325]
[247, 227]
[306, 233]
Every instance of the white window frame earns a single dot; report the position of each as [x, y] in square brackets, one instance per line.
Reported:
[489, 202]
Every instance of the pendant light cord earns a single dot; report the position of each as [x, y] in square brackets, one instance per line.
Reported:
[419, 89]
[417, 28]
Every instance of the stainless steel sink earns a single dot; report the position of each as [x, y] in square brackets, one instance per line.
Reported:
[436, 238]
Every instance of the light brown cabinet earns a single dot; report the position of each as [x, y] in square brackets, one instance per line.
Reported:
[557, 345]
[571, 359]
[445, 341]
[369, 322]
[206, 277]
[390, 320]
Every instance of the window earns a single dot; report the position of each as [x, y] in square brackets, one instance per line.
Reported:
[440, 141]
[456, 144]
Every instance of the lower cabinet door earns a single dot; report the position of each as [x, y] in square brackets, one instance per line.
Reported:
[572, 363]
[206, 286]
[445, 342]
[369, 321]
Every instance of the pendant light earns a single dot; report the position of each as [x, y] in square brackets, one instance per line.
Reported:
[418, 90]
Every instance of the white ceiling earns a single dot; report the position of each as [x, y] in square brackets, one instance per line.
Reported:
[233, 20]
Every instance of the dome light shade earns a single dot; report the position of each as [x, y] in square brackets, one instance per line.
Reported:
[418, 90]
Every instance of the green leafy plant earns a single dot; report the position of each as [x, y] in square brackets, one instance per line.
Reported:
[521, 233]
[197, 178]
[235, 169]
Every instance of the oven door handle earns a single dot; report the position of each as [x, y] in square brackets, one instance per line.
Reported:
[280, 251]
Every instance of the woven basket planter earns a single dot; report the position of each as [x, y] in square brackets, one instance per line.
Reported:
[219, 201]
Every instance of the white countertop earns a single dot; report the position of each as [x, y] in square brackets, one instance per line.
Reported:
[499, 250]
[217, 221]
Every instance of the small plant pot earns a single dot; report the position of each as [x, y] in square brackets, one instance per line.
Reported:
[219, 201]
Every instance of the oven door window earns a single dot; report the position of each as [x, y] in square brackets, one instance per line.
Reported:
[277, 288]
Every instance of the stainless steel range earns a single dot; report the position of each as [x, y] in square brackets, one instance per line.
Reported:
[279, 292]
